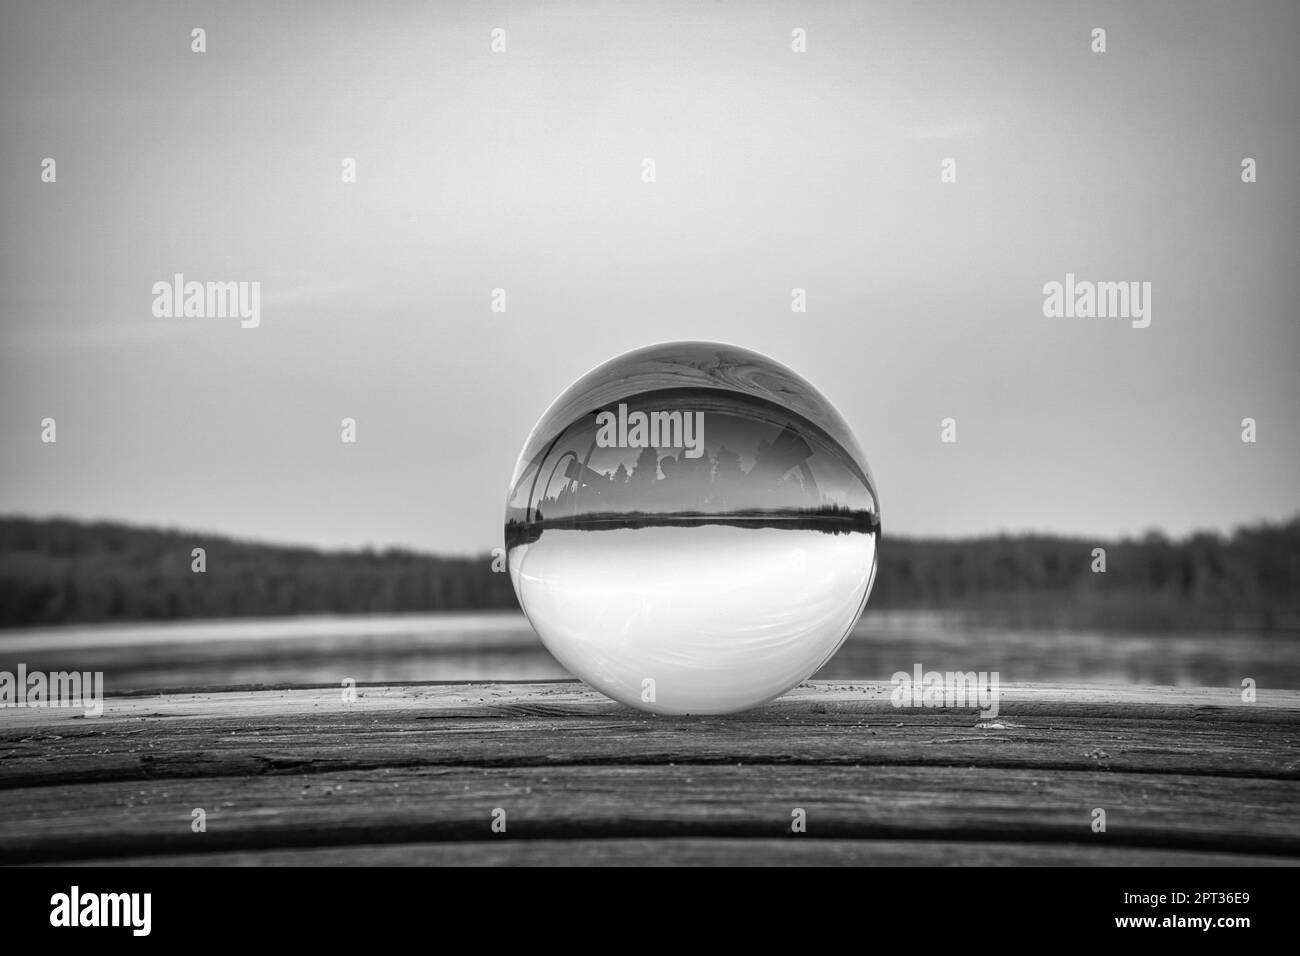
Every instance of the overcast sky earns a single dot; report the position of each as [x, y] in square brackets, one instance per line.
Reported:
[523, 170]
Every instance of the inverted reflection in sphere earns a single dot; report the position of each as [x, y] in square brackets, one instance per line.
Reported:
[692, 528]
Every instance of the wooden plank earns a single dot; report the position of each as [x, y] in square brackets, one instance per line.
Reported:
[571, 699]
[413, 769]
[704, 852]
[163, 749]
[1162, 811]
[307, 732]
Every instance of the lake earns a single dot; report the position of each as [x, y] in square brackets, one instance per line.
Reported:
[502, 646]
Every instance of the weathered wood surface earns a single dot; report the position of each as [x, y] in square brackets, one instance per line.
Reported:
[412, 774]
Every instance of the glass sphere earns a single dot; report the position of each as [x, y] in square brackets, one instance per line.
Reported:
[692, 528]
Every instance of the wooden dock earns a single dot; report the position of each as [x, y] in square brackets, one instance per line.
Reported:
[418, 774]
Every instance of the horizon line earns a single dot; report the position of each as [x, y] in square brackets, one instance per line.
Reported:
[1138, 537]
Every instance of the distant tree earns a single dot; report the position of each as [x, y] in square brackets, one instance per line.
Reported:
[646, 470]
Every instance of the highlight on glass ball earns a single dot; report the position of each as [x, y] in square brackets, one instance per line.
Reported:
[692, 529]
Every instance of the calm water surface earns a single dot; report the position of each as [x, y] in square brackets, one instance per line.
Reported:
[502, 646]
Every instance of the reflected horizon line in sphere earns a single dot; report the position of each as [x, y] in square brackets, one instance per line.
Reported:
[692, 528]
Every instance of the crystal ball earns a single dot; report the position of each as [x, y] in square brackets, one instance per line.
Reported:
[692, 528]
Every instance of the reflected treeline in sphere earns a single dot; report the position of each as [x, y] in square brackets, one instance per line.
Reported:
[692, 528]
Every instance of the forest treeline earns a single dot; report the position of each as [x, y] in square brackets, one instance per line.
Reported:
[56, 571]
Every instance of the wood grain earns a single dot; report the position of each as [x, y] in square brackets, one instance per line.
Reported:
[689, 851]
[413, 773]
